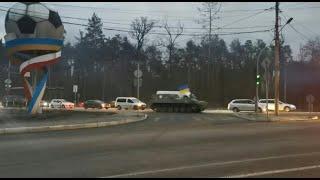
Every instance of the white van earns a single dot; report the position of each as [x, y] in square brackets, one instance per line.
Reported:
[129, 103]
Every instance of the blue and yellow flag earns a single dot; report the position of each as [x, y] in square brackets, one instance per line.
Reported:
[184, 89]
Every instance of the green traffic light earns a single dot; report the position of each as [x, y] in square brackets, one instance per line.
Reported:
[258, 80]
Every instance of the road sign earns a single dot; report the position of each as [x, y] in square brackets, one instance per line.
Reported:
[310, 98]
[137, 74]
[75, 88]
[7, 81]
[135, 82]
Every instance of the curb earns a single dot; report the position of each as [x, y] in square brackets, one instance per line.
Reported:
[67, 127]
[274, 120]
[245, 118]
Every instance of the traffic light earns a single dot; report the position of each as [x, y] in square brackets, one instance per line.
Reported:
[258, 80]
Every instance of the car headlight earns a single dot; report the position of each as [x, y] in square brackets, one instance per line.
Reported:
[45, 104]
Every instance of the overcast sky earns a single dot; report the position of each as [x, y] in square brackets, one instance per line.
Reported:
[233, 17]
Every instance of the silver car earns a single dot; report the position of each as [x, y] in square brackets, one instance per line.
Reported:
[282, 106]
[237, 105]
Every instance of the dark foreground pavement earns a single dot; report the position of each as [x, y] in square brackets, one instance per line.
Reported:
[16, 118]
[168, 145]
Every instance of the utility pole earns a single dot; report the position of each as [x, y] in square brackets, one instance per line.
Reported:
[209, 59]
[138, 83]
[276, 61]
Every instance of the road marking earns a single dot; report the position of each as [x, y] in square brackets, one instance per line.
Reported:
[156, 119]
[273, 172]
[208, 164]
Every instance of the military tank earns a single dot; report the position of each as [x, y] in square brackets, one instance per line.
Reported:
[174, 101]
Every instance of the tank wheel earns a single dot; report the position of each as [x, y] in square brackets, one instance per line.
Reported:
[189, 109]
[158, 109]
[162, 109]
[194, 109]
[183, 109]
[176, 109]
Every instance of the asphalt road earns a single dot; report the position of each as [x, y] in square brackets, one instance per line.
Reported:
[168, 145]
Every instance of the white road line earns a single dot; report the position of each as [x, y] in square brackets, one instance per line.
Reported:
[209, 164]
[273, 172]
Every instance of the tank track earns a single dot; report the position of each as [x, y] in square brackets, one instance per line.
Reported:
[175, 107]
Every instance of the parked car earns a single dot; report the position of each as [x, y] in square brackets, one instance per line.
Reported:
[44, 103]
[80, 104]
[129, 103]
[96, 104]
[237, 105]
[61, 103]
[282, 106]
[14, 101]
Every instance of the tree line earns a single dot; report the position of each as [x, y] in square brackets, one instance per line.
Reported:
[215, 71]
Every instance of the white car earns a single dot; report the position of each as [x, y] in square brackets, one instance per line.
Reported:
[129, 103]
[61, 103]
[282, 106]
[237, 105]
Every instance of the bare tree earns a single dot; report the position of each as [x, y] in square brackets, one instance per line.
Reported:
[209, 11]
[173, 34]
[139, 29]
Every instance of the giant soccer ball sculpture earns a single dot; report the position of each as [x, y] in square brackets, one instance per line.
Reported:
[34, 40]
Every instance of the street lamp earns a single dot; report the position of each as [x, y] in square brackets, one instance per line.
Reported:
[257, 67]
[289, 20]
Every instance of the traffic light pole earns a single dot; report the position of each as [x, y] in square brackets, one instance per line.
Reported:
[276, 61]
[138, 83]
[257, 85]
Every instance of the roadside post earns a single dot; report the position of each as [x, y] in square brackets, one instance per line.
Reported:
[75, 90]
[310, 100]
[265, 64]
[138, 83]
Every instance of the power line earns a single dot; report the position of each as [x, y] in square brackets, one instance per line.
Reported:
[247, 17]
[305, 27]
[313, 7]
[77, 6]
[157, 26]
[307, 38]
[157, 33]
